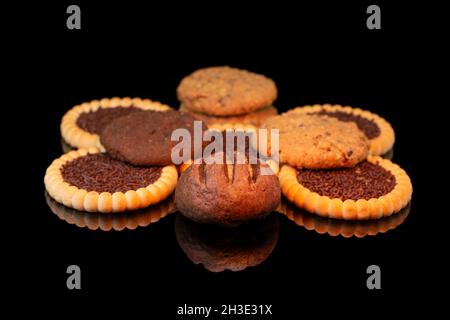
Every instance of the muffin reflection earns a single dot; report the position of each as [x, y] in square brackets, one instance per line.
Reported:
[114, 221]
[342, 228]
[235, 249]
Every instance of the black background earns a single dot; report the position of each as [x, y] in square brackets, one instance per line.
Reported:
[321, 53]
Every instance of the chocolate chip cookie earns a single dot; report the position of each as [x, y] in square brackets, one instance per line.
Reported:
[379, 132]
[317, 142]
[144, 138]
[225, 91]
[226, 194]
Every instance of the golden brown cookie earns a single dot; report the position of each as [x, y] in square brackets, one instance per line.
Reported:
[89, 180]
[343, 228]
[372, 189]
[316, 142]
[81, 125]
[225, 91]
[113, 221]
[379, 132]
[255, 118]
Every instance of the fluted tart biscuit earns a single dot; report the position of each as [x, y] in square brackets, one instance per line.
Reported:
[89, 180]
[379, 132]
[316, 142]
[81, 125]
[372, 189]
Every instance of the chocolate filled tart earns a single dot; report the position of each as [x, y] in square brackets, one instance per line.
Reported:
[372, 189]
[99, 172]
[376, 129]
[89, 180]
[81, 125]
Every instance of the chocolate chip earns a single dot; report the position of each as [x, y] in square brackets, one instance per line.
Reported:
[101, 173]
[96, 121]
[369, 127]
[363, 181]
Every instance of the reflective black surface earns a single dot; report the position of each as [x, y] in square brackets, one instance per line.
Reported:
[317, 53]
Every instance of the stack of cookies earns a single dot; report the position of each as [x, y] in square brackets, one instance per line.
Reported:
[225, 97]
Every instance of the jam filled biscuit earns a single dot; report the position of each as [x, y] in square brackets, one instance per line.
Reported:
[81, 125]
[255, 118]
[226, 194]
[235, 249]
[225, 91]
[113, 221]
[379, 132]
[372, 189]
[89, 180]
[343, 228]
[316, 142]
[144, 138]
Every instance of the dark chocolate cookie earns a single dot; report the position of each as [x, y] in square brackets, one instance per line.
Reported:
[226, 194]
[144, 138]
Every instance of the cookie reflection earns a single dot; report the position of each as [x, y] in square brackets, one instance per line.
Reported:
[112, 221]
[219, 249]
[342, 228]
[65, 146]
[389, 154]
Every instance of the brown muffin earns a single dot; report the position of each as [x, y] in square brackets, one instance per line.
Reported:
[143, 138]
[226, 194]
[225, 91]
[255, 118]
[220, 249]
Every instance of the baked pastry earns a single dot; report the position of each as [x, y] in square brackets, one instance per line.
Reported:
[114, 221]
[144, 138]
[317, 142]
[89, 180]
[255, 118]
[219, 249]
[226, 194]
[343, 228]
[379, 132]
[225, 91]
[372, 189]
[241, 135]
[81, 125]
